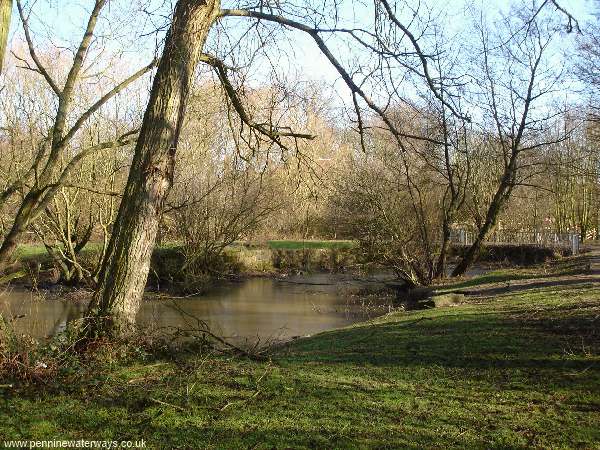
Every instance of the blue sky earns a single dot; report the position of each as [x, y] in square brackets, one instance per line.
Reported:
[61, 21]
[64, 18]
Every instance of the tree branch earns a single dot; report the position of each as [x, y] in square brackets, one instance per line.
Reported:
[51, 189]
[66, 96]
[354, 88]
[85, 116]
[40, 67]
[272, 133]
[422, 58]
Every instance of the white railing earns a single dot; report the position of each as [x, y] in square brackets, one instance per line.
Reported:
[569, 241]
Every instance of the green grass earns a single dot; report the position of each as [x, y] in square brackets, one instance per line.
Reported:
[37, 252]
[298, 245]
[31, 252]
[518, 370]
[560, 267]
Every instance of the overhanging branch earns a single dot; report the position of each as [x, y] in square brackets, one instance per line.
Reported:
[355, 89]
[273, 133]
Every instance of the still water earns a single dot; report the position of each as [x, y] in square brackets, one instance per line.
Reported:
[252, 309]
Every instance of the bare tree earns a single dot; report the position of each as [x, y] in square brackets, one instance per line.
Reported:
[44, 177]
[124, 273]
[218, 196]
[82, 212]
[125, 268]
[516, 80]
[588, 67]
[388, 203]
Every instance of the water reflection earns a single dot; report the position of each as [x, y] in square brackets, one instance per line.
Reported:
[255, 308]
[37, 316]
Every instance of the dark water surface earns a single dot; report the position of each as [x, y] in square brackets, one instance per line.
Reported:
[258, 308]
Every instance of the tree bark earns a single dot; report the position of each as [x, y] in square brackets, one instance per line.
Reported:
[20, 224]
[5, 12]
[124, 271]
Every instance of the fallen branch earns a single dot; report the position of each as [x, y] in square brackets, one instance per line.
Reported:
[203, 329]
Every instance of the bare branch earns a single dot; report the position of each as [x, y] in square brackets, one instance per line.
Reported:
[354, 88]
[51, 189]
[422, 58]
[40, 67]
[85, 116]
[272, 133]
[573, 22]
[66, 96]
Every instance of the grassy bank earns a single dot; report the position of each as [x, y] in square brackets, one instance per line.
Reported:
[240, 257]
[269, 257]
[513, 370]
[38, 252]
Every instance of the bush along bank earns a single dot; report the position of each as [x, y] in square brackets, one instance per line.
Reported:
[172, 267]
[513, 254]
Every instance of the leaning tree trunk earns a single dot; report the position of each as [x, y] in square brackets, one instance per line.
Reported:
[19, 226]
[440, 267]
[469, 258]
[125, 267]
[5, 12]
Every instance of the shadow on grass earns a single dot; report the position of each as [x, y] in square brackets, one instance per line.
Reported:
[498, 375]
[328, 391]
[473, 341]
[588, 282]
[578, 265]
[503, 277]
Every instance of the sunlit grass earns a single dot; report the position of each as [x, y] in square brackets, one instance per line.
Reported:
[560, 267]
[30, 251]
[37, 252]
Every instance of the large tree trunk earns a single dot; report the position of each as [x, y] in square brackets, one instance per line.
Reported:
[5, 12]
[125, 267]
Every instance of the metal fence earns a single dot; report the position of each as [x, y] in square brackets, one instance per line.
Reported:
[566, 241]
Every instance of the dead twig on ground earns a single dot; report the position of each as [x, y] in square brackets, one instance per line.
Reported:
[202, 329]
